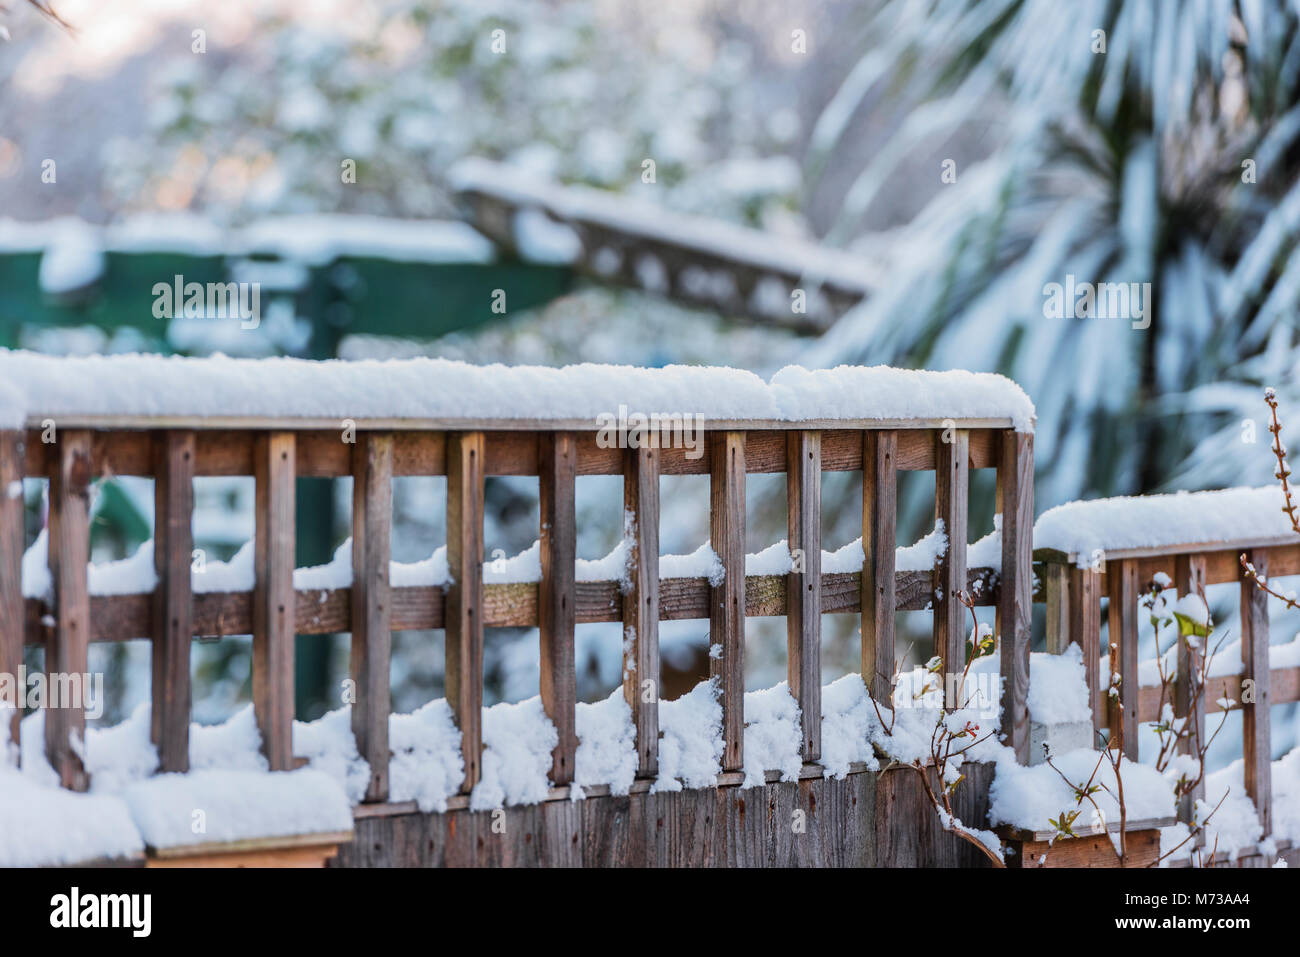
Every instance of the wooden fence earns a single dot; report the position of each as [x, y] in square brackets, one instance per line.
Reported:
[173, 453]
[1073, 597]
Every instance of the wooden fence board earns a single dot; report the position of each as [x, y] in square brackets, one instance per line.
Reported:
[641, 668]
[803, 604]
[173, 612]
[557, 595]
[274, 602]
[1189, 699]
[727, 620]
[464, 602]
[1255, 724]
[69, 638]
[951, 506]
[12, 544]
[1015, 608]
[877, 583]
[1123, 611]
[371, 603]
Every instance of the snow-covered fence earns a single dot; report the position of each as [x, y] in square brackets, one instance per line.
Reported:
[75, 420]
[1115, 548]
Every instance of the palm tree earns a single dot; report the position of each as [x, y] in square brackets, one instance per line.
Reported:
[1140, 142]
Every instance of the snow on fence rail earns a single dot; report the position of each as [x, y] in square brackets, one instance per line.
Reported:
[1114, 548]
[119, 416]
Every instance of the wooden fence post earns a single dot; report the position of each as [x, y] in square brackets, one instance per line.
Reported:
[557, 594]
[951, 506]
[641, 603]
[1123, 587]
[274, 604]
[879, 538]
[1189, 695]
[1085, 631]
[372, 634]
[804, 584]
[464, 604]
[1255, 722]
[727, 618]
[66, 653]
[173, 610]
[1015, 608]
[12, 545]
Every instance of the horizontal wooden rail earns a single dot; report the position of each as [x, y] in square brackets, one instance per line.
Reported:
[322, 453]
[510, 605]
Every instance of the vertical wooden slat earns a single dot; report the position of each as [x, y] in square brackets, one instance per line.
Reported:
[66, 653]
[173, 617]
[464, 606]
[1015, 609]
[1122, 585]
[1085, 631]
[803, 586]
[273, 598]
[1255, 723]
[1189, 579]
[372, 638]
[641, 603]
[951, 506]
[727, 601]
[1056, 598]
[556, 611]
[12, 543]
[879, 539]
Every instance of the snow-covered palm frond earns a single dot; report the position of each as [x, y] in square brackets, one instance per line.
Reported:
[1167, 159]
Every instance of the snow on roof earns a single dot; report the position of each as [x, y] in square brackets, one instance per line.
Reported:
[93, 389]
[636, 217]
[1108, 526]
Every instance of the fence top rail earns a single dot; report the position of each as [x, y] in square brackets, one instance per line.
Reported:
[1107, 529]
[144, 391]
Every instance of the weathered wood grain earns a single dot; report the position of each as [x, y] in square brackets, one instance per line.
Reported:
[274, 602]
[69, 638]
[641, 667]
[1015, 608]
[173, 611]
[803, 584]
[1123, 611]
[464, 602]
[877, 585]
[1085, 631]
[1255, 724]
[727, 615]
[371, 605]
[1189, 699]
[951, 506]
[557, 595]
[12, 545]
